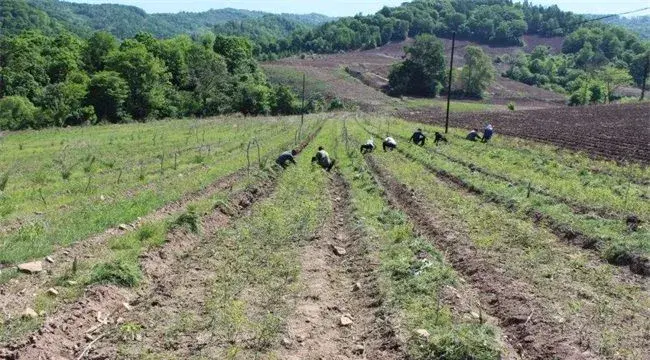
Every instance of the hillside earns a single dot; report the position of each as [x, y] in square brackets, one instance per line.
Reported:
[124, 21]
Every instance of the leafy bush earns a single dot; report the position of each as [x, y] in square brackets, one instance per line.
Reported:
[16, 113]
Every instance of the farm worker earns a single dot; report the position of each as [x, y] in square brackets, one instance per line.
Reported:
[439, 138]
[473, 135]
[389, 143]
[286, 157]
[323, 159]
[368, 147]
[487, 133]
[418, 137]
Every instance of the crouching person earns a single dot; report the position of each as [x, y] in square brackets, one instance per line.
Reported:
[368, 147]
[389, 144]
[473, 135]
[323, 159]
[418, 137]
[439, 138]
[286, 158]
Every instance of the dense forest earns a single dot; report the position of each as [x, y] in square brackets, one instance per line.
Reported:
[50, 16]
[65, 80]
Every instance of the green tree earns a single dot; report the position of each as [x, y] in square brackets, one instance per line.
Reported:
[209, 80]
[285, 101]
[423, 73]
[107, 94]
[237, 51]
[613, 78]
[99, 45]
[146, 75]
[63, 103]
[16, 113]
[478, 72]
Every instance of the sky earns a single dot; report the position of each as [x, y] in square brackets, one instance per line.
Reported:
[352, 7]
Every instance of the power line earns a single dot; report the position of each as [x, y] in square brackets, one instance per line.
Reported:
[612, 15]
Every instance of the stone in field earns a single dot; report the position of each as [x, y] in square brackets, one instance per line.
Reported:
[52, 291]
[29, 313]
[31, 268]
[422, 333]
[339, 250]
[346, 321]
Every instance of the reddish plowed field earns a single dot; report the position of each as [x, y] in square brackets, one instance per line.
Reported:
[620, 132]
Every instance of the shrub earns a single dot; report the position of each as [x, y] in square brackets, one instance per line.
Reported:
[16, 113]
[118, 272]
[511, 106]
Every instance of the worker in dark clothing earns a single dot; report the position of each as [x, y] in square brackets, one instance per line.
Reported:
[323, 159]
[286, 157]
[487, 133]
[473, 135]
[368, 147]
[439, 137]
[418, 137]
[389, 143]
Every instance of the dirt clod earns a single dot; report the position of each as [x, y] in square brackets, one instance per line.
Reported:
[358, 349]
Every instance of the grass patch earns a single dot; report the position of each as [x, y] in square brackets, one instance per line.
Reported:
[118, 272]
[189, 220]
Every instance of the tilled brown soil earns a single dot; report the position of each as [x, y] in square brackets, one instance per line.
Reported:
[340, 284]
[620, 132]
[525, 320]
[93, 326]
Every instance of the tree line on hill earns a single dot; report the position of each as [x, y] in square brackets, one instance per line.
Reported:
[65, 80]
[595, 59]
[50, 16]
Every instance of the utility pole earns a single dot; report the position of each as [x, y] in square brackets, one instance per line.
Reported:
[302, 110]
[645, 77]
[451, 69]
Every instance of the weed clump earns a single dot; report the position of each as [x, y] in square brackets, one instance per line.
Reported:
[189, 219]
[511, 106]
[118, 272]
[4, 179]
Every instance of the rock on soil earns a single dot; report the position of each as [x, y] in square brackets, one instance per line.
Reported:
[346, 321]
[29, 313]
[339, 250]
[422, 333]
[31, 268]
[49, 259]
[52, 291]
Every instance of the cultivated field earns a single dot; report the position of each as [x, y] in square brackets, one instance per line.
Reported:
[508, 250]
[620, 132]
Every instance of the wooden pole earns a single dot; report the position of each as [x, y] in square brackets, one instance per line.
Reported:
[451, 69]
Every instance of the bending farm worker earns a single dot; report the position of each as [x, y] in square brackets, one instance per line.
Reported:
[473, 135]
[323, 159]
[286, 157]
[487, 133]
[368, 147]
[389, 143]
[418, 137]
[439, 138]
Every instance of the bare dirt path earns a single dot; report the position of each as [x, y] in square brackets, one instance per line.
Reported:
[337, 314]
